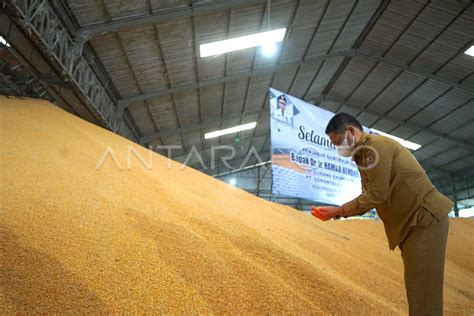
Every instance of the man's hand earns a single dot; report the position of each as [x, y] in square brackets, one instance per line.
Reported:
[325, 213]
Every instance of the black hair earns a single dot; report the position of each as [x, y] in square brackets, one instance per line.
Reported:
[339, 122]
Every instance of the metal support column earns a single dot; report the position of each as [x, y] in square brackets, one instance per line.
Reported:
[258, 181]
[455, 198]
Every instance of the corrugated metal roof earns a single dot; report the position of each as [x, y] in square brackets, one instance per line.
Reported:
[409, 75]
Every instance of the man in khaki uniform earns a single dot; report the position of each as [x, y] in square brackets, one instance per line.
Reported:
[413, 211]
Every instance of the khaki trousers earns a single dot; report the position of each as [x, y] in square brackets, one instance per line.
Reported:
[423, 254]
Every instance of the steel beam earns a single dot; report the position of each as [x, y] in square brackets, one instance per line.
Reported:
[314, 99]
[310, 60]
[430, 131]
[206, 7]
[236, 76]
[258, 165]
[462, 181]
[27, 84]
[413, 69]
[192, 127]
[39, 20]
[354, 52]
[228, 143]
[17, 76]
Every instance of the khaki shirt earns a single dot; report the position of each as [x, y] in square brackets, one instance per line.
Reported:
[394, 183]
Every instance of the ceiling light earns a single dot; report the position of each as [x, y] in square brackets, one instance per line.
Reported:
[230, 130]
[269, 50]
[232, 182]
[243, 42]
[470, 51]
[4, 41]
[406, 143]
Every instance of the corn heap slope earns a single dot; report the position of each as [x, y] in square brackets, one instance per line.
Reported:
[74, 238]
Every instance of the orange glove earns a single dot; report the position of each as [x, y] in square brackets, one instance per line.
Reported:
[325, 213]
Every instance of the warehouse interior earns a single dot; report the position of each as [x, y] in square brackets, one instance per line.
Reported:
[399, 66]
[134, 68]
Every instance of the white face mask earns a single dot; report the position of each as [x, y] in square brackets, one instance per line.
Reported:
[344, 149]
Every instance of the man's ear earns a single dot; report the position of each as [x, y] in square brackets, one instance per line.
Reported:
[351, 129]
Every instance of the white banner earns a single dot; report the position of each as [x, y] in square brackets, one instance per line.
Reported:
[304, 162]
